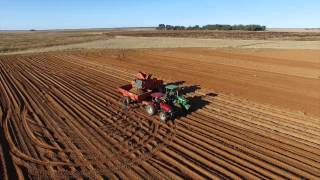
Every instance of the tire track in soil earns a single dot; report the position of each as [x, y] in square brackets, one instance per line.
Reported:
[41, 174]
[6, 159]
[7, 169]
[82, 130]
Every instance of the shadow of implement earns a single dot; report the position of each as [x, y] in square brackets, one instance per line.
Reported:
[178, 83]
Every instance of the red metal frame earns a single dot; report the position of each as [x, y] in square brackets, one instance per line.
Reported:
[125, 91]
[145, 90]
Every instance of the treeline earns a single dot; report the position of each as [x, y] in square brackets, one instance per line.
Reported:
[251, 27]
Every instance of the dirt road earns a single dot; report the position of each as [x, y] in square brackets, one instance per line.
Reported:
[62, 118]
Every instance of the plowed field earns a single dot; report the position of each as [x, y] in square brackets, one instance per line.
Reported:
[62, 118]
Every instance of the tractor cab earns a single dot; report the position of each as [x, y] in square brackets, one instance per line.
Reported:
[174, 96]
[172, 91]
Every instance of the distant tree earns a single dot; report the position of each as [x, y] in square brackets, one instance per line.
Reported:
[196, 27]
[189, 28]
[225, 27]
[234, 27]
[179, 28]
[161, 27]
[169, 27]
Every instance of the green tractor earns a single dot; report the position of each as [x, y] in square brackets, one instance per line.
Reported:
[173, 96]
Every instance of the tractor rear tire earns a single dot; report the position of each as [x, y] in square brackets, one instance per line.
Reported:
[150, 110]
[126, 101]
[163, 116]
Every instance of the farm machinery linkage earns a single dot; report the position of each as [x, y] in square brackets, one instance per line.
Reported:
[148, 92]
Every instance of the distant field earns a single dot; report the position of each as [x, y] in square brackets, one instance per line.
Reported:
[294, 29]
[126, 42]
[242, 35]
[21, 40]
[26, 40]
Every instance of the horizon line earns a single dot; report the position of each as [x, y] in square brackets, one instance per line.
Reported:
[131, 27]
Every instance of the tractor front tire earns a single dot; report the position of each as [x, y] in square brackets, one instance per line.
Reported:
[126, 101]
[163, 116]
[150, 110]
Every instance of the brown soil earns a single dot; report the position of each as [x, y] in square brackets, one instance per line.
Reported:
[22, 40]
[285, 78]
[62, 117]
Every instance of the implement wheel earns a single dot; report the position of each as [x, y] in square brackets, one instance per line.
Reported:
[163, 116]
[126, 101]
[150, 109]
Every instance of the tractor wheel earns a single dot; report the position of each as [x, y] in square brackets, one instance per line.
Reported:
[150, 109]
[126, 101]
[163, 116]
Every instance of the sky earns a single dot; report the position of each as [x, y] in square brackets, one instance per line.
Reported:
[73, 14]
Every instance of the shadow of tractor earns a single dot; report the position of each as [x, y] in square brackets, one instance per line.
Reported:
[190, 89]
[197, 101]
